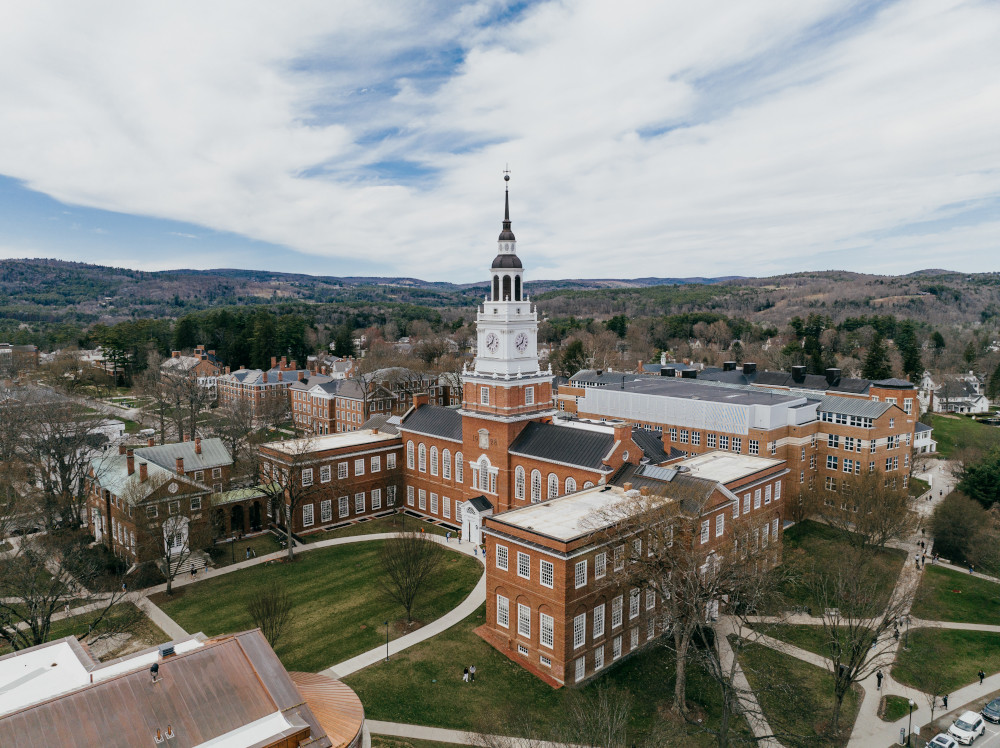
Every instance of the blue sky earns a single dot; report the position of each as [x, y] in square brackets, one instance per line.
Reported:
[369, 138]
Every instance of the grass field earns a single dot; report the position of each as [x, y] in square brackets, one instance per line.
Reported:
[810, 638]
[424, 685]
[892, 708]
[226, 554]
[339, 609]
[918, 487]
[954, 434]
[384, 741]
[809, 545]
[802, 713]
[392, 523]
[949, 655]
[948, 595]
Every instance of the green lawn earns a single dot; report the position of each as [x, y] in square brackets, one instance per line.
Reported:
[810, 638]
[802, 713]
[391, 523]
[810, 544]
[892, 708]
[339, 610]
[226, 554]
[918, 487]
[948, 595]
[384, 741]
[954, 434]
[423, 685]
[953, 656]
[145, 633]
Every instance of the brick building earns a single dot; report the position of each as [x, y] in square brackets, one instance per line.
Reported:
[554, 604]
[202, 365]
[17, 358]
[259, 388]
[133, 491]
[333, 479]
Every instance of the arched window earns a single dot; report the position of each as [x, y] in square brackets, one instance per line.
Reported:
[422, 458]
[553, 486]
[496, 288]
[459, 468]
[446, 464]
[570, 485]
[536, 486]
[434, 460]
[519, 483]
[588, 484]
[484, 474]
[517, 288]
[409, 455]
[506, 288]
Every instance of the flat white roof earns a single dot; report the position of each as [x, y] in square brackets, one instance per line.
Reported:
[724, 467]
[141, 660]
[38, 674]
[250, 734]
[568, 516]
[330, 441]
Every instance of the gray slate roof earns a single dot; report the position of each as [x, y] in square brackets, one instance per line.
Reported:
[434, 420]
[921, 427]
[651, 445]
[546, 441]
[481, 503]
[606, 378]
[853, 406]
[384, 422]
[893, 382]
[213, 454]
[785, 379]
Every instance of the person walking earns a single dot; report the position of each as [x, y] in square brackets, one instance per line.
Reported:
[981, 675]
[248, 552]
[878, 680]
[472, 673]
[944, 700]
[465, 675]
[447, 537]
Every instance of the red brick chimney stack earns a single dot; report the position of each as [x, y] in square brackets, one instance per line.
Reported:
[143, 472]
[180, 465]
[121, 449]
[152, 442]
[130, 461]
[420, 398]
[197, 445]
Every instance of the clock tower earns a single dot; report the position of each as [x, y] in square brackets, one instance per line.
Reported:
[505, 389]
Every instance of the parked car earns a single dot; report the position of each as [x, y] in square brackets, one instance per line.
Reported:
[992, 711]
[967, 727]
[942, 741]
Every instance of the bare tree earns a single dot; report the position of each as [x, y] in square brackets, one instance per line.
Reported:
[288, 480]
[44, 577]
[235, 426]
[869, 509]
[408, 560]
[157, 388]
[270, 608]
[857, 620]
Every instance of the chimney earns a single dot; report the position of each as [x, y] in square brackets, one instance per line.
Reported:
[749, 368]
[798, 373]
[274, 362]
[729, 366]
[227, 370]
[121, 449]
[281, 375]
[143, 472]
[323, 369]
[200, 349]
[832, 376]
[623, 432]
[668, 371]
[302, 375]
[130, 461]
[627, 487]
[294, 364]
[187, 437]
[204, 357]
[663, 358]
[689, 374]
[197, 445]
[638, 368]
[179, 462]
[374, 430]
[420, 398]
[151, 442]
[211, 353]
[175, 354]
[644, 490]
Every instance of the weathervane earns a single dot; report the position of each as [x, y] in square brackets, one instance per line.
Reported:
[506, 173]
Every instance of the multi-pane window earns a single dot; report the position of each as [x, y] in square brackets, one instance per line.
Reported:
[546, 573]
[673, 434]
[547, 631]
[376, 463]
[434, 503]
[720, 524]
[307, 476]
[616, 648]
[579, 630]
[650, 628]
[764, 534]
[634, 638]
[570, 485]
[553, 485]
[342, 467]
[343, 506]
[767, 494]
[195, 504]
[619, 557]
[536, 486]
[723, 441]
[650, 598]
[307, 515]
[422, 500]
[173, 507]
[503, 611]
[684, 436]
[409, 495]
[326, 510]
[736, 507]
[710, 440]
[390, 461]
[600, 564]
[446, 507]
[459, 468]
[519, 483]
[705, 529]
[616, 611]
[599, 658]
[599, 621]
[523, 565]
[756, 499]
[529, 395]
[737, 444]
[523, 620]
[324, 474]
[446, 464]
[633, 603]
[502, 557]
[754, 447]
[434, 461]
[696, 437]
[777, 490]
[359, 502]
[580, 573]
[746, 503]
[484, 395]
[580, 668]
[422, 458]
[390, 496]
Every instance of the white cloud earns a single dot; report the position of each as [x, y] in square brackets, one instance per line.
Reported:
[802, 130]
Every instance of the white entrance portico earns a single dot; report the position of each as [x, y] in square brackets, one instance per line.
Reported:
[473, 512]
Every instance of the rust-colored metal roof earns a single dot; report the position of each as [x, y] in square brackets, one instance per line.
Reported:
[201, 694]
[335, 705]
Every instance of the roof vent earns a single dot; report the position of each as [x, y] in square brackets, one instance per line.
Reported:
[729, 366]
[682, 469]
[689, 374]
[832, 376]
[166, 650]
[668, 371]
[798, 373]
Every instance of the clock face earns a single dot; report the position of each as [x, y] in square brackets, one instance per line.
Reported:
[172, 488]
[521, 342]
[492, 342]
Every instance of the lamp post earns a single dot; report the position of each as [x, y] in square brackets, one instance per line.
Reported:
[906, 639]
[909, 728]
[386, 641]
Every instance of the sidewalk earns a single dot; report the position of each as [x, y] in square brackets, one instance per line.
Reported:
[439, 734]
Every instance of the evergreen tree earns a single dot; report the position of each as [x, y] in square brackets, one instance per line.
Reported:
[906, 342]
[343, 341]
[970, 353]
[877, 364]
[573, 358]
[993, 387]
[937, 340]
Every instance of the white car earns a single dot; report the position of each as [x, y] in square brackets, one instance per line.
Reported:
[942, 741]
[967, 727]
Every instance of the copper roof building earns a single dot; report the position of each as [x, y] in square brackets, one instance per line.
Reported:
[225, 692]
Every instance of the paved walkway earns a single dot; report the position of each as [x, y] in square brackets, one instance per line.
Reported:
[441, 735]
